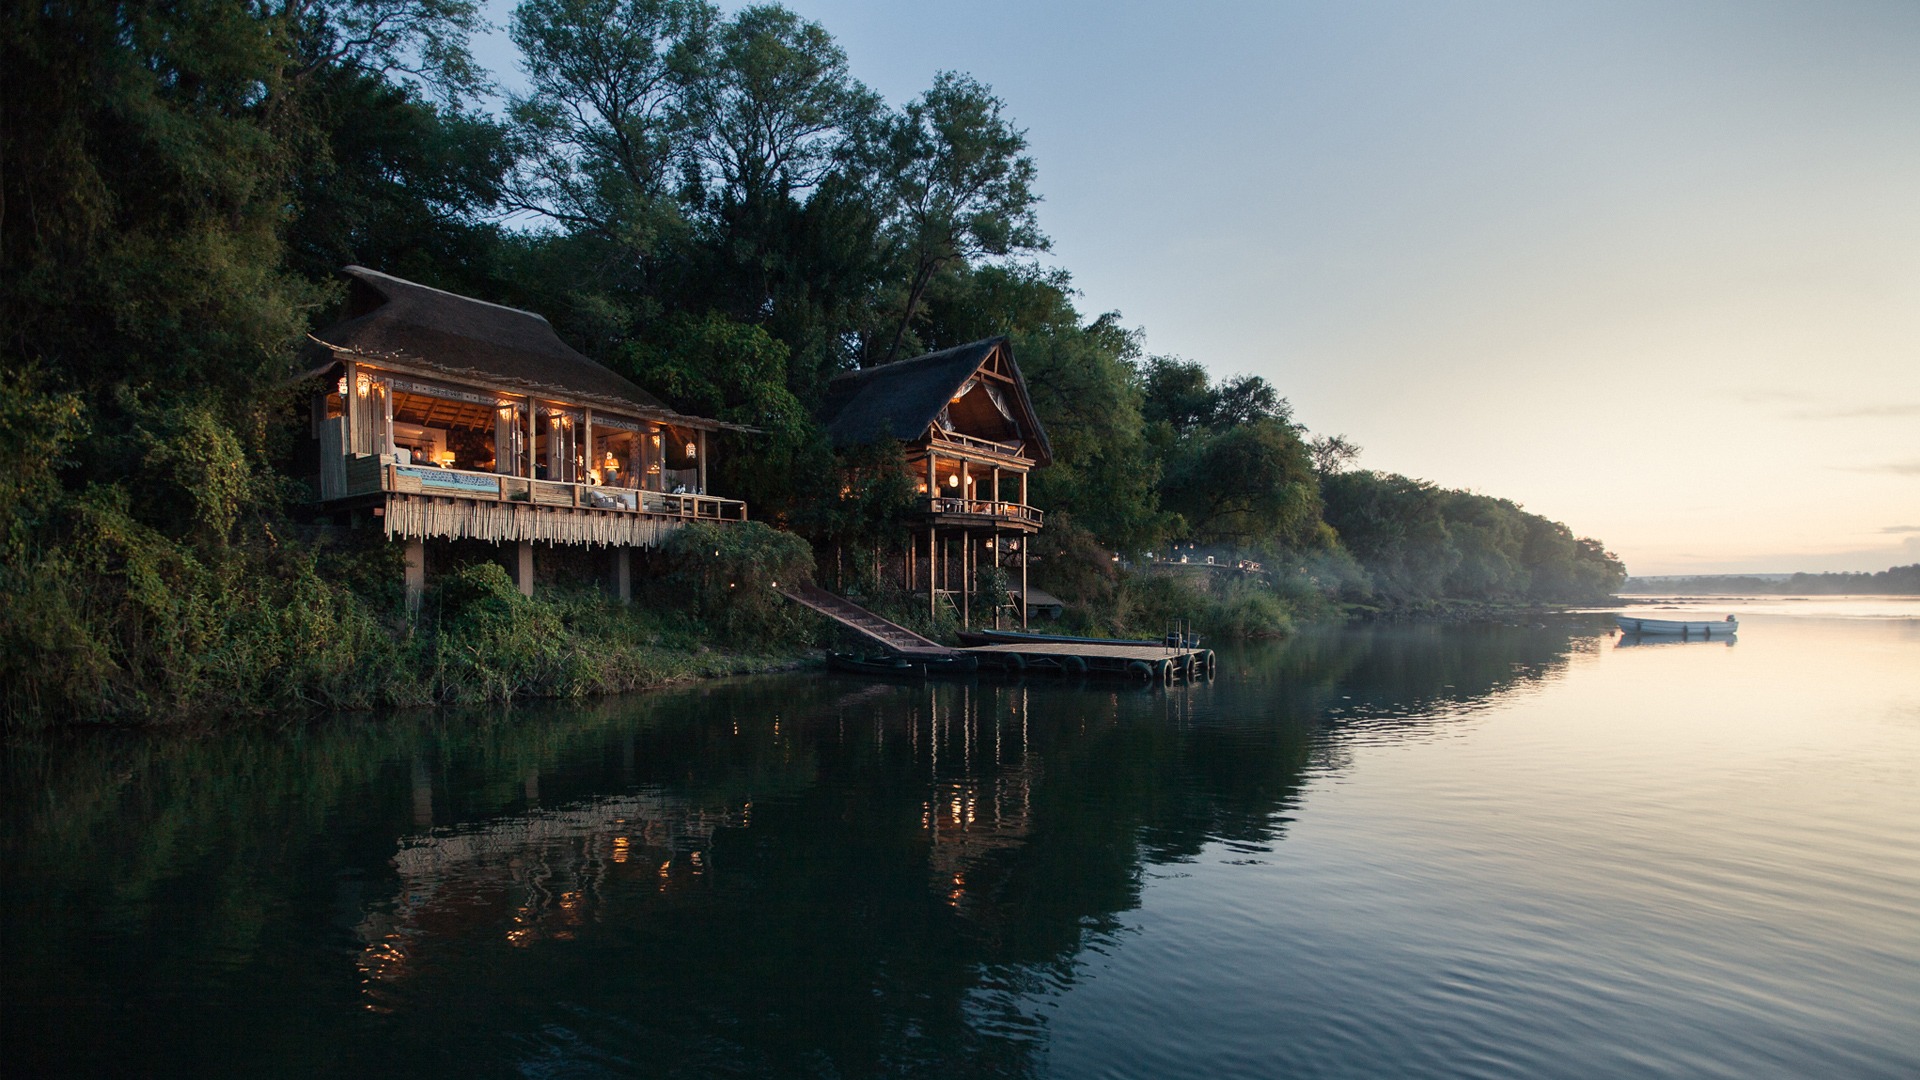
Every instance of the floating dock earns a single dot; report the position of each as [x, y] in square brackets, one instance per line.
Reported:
[1140, 661]
[1123, 660]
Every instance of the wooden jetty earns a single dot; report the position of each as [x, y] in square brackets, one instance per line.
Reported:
[1143, 661]
[1116, 659]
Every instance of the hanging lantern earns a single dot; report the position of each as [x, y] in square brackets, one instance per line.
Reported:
[656, 439]
[692, 449]
[953, 481]
[363, 384]
[343, 386]
[610, 464]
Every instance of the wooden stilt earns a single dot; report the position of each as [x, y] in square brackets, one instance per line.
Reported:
[1024, 541]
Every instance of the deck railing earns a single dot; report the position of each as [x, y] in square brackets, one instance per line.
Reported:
[984, 508]
[974, 442]
[369, 475]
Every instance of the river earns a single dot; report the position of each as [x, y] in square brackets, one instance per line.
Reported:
[1400, 850]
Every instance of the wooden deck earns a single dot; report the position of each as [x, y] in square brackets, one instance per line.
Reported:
[1151, 663]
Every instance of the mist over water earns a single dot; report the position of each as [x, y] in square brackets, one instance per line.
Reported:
[1391, 850]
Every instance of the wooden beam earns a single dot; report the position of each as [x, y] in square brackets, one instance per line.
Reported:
[533, 441]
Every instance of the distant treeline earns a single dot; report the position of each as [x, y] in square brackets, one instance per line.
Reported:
[709, 203]
[1897, 581]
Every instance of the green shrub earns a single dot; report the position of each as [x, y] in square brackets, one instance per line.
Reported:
[727, 576]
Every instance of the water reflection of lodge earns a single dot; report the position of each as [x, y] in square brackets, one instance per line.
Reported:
[544, 875]
[541, 876]
[987, 807]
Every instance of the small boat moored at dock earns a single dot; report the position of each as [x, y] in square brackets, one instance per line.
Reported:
[1686, 629]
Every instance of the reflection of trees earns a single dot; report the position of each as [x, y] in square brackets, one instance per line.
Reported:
[738, 877]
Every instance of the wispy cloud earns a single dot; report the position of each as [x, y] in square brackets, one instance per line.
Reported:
[1858, 412]
[1901, 529]
[1897, 468]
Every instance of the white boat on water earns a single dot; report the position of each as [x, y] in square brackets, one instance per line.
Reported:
[1706, 629]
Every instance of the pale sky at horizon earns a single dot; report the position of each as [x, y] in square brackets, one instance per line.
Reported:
[1650, 269]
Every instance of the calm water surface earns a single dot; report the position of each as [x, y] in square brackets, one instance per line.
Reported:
[1528, 851]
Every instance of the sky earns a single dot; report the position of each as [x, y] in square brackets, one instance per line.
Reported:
[1650, 269]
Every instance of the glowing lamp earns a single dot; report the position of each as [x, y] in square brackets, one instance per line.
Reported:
[343, 386]
[363, 384]
[953, 481]
[692, 449]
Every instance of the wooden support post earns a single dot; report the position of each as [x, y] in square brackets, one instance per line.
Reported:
[702, 445]
[623, 574]
[1024, 541]
[523, 567]
[416, 574]
[386, 420]
[996, 565]
[933, 486]
[994, 495]
[933, 587]
[966, 577]
[586, 455]
[533, 457]
[346, 404]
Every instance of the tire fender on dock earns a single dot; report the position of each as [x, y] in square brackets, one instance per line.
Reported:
[1074, 665]
[1140, 668]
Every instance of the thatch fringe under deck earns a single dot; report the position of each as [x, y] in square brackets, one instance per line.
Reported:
[418, 518]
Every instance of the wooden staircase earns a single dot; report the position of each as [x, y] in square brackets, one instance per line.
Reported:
[888, 635]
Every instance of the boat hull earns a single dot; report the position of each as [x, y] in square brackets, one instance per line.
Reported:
[1705, 629]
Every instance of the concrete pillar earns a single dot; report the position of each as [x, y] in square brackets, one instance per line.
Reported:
[523, 567]
[623, 574]
[416, 574]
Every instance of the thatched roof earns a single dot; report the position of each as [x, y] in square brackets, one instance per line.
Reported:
[398, 323]
[901, 400]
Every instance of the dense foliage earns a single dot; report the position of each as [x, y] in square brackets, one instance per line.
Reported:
[709, 203]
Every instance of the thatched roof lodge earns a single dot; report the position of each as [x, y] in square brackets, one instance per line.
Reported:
[966, 426]
[451, 418]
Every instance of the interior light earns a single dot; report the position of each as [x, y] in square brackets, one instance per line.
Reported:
[953, 481]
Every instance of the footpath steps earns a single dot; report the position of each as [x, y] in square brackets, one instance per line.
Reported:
[887, 635]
